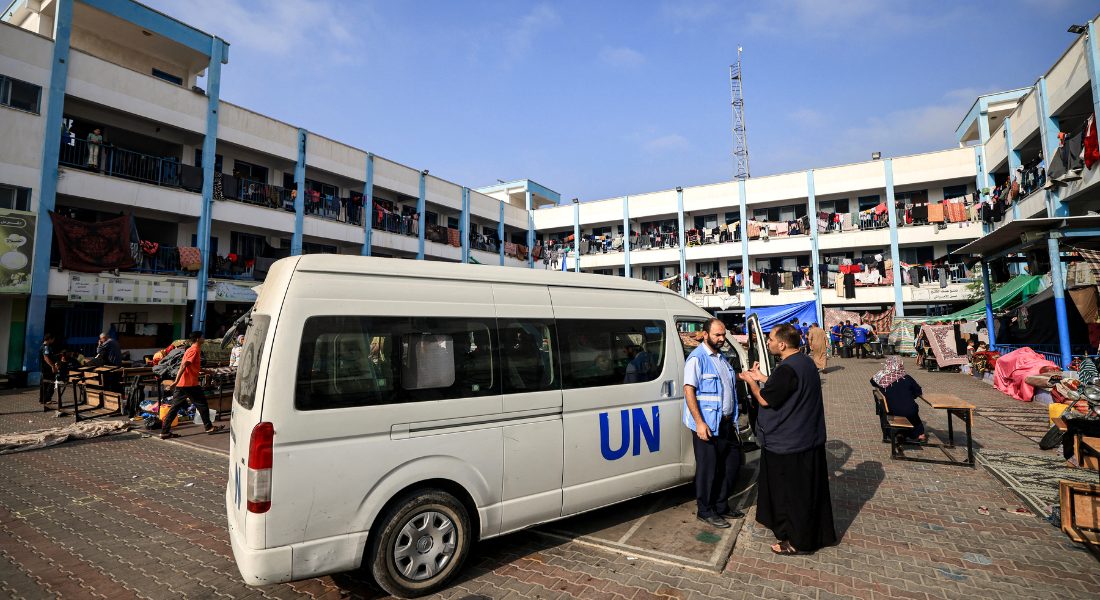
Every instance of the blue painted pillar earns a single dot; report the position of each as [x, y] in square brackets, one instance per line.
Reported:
[978, 178]
[1058, 280]
[530, 233]
[300, 197]
[683, 253]
[895, 254]
[576, 237]
[1048, 128]
[422, 211]
[815, 258]
[1092, 57]
[746, 275]
[368, 206]
[500, 234]
[988, 303]
[47, 193]
[464, 225]
[1013, 163]
[626, 236]
[209, 149]
[983, 132]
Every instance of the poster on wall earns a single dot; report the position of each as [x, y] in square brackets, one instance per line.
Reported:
[234, 292]
[16, 249]
[123, 290]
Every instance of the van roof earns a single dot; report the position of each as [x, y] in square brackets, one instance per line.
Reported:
[367, 265]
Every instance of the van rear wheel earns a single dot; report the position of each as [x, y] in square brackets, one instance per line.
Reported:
[422, 542]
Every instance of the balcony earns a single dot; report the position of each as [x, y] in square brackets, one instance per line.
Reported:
[341, 210]
[259, 194]
[166, 262]
[395, 223]
[117, 162]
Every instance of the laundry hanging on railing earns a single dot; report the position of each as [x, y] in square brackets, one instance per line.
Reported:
[93, 247]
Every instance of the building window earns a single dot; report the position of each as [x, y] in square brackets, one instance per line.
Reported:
[452, 222]
[217, 160]
[246, 245]
[20, 94]
[953, 191]
[213, 243]
[598, 231]
[733, 217]
[309, 248]
[431, 218]
[789, 212]
[866, 202]
[706, 221]
[249, 171]
[834, 206]
[15, 198]
[167, 77]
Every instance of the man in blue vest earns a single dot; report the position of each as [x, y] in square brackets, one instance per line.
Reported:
[860, 350]
[834, 337]
[711, 414]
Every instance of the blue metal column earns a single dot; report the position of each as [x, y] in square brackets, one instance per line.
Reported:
[300, 196]
[499, 233]
[1058, 281]
[815, 260]
[209, 149]
[47, 194]
[530, 234]
[1013, 163]
[626, 236]
[746, 275]
[1093, 59]
[988, 303]
[1048, 129]
[576, 237]
[423, 224]
[368, 205]
[464, 225]
[983, 133]
[895, 254]
[680, 235]
[978, 178]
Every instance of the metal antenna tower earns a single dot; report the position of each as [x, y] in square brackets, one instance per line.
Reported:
[740, 136]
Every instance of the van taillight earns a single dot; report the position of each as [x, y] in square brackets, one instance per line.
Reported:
[259, 468]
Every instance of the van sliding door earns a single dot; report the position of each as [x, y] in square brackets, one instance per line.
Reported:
[622, 425]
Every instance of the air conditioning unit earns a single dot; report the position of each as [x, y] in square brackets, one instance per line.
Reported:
[1032, 236]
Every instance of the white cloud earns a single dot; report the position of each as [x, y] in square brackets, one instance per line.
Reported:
[522, 35]
[809, 117]
[309, 30]
[667, 143]
[622, 58]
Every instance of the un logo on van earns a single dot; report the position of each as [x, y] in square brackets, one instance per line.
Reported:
[642, 428]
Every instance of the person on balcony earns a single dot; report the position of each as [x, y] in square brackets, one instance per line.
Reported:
[95, 140]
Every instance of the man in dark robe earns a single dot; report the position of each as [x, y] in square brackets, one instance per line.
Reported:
[794, 497]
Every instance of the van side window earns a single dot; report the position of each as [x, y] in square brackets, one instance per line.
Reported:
[248, 366]
[610, 352]
[368, 361]
[691, 335]
[528, 358]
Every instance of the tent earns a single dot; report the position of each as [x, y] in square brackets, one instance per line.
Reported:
[1019, 288]
[1041, 324]
[770, 316]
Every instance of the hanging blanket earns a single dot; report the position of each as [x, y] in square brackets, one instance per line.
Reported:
[1016, 366]
[942, 338]
[883, 321]
[834, 316]
[190, 258]
[93, 247]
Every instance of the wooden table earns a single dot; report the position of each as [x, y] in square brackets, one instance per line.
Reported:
[1084, 447]
[955, 407]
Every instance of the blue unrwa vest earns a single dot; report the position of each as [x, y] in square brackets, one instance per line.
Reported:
[709, 394]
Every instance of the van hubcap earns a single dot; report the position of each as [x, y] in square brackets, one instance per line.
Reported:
[425, 545]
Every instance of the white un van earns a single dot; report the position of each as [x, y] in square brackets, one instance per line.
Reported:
[388, 413]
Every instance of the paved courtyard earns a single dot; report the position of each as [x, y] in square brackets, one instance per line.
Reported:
[134, 517]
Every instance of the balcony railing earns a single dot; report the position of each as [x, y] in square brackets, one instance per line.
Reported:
[343, 210]
[395, 223]
[271, 196]
[125, 164]
[166, 262]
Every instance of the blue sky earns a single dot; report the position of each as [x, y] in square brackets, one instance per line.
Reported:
[602, 99]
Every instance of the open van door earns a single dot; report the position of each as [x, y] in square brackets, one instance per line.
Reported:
[758, 347]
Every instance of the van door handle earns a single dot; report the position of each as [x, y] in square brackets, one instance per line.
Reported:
[666, 389]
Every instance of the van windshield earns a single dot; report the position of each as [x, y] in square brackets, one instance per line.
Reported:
[248, 367]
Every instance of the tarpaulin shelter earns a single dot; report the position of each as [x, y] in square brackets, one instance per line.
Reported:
[834, 316]
[1037, 323]
[883, 321]
[770, 316]
[1017, 290]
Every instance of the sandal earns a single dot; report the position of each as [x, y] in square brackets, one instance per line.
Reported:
[214, 429]
[170, 436]
[790, 552]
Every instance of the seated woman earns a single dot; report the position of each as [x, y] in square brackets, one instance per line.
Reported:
[900, 391]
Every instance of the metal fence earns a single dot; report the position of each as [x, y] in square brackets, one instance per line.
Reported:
[395, 223]
[343, 210]
[271, 196]
[117, 162]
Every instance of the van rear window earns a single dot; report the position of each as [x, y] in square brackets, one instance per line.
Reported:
[248, 367]
[600, 352]
[367, 361]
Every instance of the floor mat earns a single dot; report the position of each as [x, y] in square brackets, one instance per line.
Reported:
[1029, 420]
[1033, 477]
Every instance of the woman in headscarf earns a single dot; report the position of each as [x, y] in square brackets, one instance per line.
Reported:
[235, 353]
[900, 391]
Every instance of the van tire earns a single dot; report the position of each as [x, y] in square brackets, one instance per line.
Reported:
[443, 520]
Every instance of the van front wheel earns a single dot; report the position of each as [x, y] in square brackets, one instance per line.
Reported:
[422, 542]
